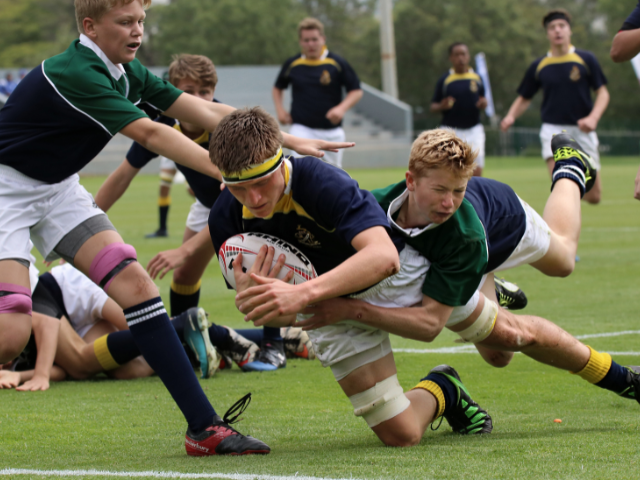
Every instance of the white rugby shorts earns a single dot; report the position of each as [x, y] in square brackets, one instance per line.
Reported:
[348, 345]
[475, 137]
[198, 217]
[166, 164]
[44, 212]
[83, 299]
[330, 135]
[588, 141]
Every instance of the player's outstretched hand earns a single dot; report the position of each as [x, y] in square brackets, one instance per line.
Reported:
[37, 383]
[9, 379]
[261, 267]
[506, 123]
[587, 124]
[325, 313]
[269, 300]
[314, 147]
[636, 193]
[165, 261]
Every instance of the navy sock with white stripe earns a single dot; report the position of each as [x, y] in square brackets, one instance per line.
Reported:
[570, 168]
[159, 344]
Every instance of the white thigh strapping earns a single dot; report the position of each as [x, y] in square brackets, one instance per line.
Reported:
[198, 217]
[588, 141]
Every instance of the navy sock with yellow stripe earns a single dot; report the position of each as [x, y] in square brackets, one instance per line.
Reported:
[183, 297]
[602, 371]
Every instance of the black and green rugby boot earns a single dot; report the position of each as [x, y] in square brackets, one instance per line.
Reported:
[509, 295]
[633, 381]
[572, 162]
[466, 416]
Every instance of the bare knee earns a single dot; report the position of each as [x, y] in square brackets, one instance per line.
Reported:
[400, 438]
[16, 330]
[511, 333]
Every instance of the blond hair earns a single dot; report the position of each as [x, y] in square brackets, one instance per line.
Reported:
[311, 23]
[194, 67]
[243, 138]
[441, 148]
[97, 8]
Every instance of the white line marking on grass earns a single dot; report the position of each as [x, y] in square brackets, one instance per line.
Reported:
[612, 229]
[472, 349]
[106, 473]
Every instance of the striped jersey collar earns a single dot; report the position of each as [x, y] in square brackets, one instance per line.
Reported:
[572, 49]
[325, 52]
[394, 206]
[116, 70]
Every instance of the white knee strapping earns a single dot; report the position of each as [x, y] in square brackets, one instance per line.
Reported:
[381, 402]
[483, 326]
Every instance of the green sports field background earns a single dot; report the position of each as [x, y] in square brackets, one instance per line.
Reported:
[133, 426]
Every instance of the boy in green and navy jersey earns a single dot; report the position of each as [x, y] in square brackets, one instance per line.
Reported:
[465, 229]
[459, 95]
[317, 77]
[60, 116]
[321, 211]
[567, 76]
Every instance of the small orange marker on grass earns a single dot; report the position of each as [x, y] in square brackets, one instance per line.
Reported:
[557, 420]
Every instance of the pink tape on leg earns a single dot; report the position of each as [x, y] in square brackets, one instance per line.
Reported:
[18, 300]
[107, 260]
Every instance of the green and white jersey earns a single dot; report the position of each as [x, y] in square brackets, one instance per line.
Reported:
[64, 112]
[457, 248]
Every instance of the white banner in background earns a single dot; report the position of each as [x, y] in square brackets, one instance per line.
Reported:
[483, 71]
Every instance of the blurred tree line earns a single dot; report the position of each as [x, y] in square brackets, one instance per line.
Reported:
[245, 32]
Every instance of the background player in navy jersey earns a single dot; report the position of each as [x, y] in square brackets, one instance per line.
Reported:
[625, 46]
[566, 75]
[454, 275]
[55, 122]
[317, 77]
[459, 96]
[341, 229]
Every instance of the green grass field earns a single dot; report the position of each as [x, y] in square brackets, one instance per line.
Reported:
[133, 426]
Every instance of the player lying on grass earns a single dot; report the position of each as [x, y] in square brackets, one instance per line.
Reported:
[56, 121]
[195, 75]
[344, 233]
[76, 326]
[442, 214]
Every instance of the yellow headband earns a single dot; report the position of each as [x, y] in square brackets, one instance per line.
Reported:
[263, 169]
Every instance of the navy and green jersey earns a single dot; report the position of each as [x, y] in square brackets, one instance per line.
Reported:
[633, 20]
[321, 211]
[205, 188]
[566, 83]
[466, 88]
[478, 238]
[64, 112]
[316, 87]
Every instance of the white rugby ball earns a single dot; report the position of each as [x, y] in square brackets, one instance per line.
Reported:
[249, 245]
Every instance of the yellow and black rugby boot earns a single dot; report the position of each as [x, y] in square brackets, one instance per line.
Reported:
[572, 162]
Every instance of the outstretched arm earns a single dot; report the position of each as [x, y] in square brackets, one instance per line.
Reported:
[422, 322]
[45, 331]
[590, 122]
[518, 107]
[115, 185]
[625, 45]
[336, 113]
[166, 261]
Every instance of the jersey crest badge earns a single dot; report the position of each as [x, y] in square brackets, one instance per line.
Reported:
[305, 237]
[575, 74]
[473, 86]
[325, 78]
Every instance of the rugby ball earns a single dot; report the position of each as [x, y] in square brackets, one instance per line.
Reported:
[249, 245]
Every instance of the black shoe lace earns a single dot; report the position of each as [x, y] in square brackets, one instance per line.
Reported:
[439, 423]
[240, 406]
